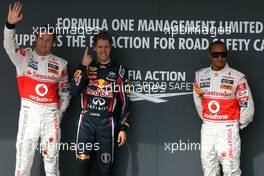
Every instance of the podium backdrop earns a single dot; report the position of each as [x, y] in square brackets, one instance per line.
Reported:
[162, 42]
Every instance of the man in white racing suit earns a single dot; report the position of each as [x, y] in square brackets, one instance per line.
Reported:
[224, 102]
[44, 90]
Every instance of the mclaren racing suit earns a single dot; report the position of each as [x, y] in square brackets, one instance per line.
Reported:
[44, 90]
[224, 102]
[101, 88]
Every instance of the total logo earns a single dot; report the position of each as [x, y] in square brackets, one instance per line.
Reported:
[213, 106]
[41, 89]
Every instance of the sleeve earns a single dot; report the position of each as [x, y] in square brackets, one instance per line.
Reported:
[78, 81]
[123, 95]
[197, 95]
[246, 102]
[10, 45]
[64, 91]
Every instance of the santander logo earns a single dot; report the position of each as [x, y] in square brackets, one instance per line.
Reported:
[213, 106]
[41, 89]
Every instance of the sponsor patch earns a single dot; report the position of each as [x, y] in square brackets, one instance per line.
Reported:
[33, 64]
[243, 93]
[227, 81]
[92, 68]
[100, 83]
[50, 70]
[54, 61]
[204, 84]
[229, 77]
[21, 52]
[111, 74]
[110, 79]
[205, 79]
[83, 156]
[243, 104]
[226, 87]
[242, 86]
[52, 66]
[64, 90]
[77, 73]
[244, 98]
[105, 157]
[92, 76]
[99, 92]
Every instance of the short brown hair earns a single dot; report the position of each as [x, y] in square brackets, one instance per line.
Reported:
[104, 36]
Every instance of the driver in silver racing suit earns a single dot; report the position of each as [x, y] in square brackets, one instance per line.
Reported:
[44, 91]
[224, 102]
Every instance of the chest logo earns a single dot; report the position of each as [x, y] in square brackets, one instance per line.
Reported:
[213, 106]
[41, 89]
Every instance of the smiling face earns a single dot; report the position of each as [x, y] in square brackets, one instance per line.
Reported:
[218, 56]
[102, 48]
[44, 44]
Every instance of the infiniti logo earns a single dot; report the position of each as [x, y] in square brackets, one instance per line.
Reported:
[98, 101]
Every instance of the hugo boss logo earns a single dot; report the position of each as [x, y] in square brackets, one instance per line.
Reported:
[41, 89]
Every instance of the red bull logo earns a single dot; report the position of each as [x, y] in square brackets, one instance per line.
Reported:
[100, 83]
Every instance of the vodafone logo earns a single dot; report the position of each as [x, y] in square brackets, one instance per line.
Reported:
[41, 89]
[213, 106]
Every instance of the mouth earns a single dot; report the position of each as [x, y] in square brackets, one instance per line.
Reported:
[104, 55]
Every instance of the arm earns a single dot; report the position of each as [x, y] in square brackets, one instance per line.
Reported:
[246, 102]
[79, 77]
[79, 80]
[123, 94]
[197, 95]
[64, 92]
[123, 121]
[13, 51]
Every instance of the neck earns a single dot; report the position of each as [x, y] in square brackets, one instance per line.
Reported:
[103, 62]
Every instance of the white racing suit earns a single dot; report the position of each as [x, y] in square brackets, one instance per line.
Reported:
[224, 102]
[44, 91]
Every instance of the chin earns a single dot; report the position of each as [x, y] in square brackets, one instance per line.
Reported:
[104, 59]
[221, 66]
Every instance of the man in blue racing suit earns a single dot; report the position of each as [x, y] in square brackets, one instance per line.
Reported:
[102, 85]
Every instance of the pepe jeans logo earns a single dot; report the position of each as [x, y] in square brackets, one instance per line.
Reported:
[41, 89]
[213, 106]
